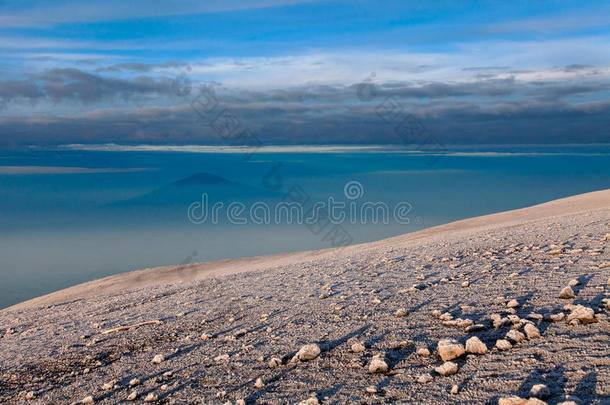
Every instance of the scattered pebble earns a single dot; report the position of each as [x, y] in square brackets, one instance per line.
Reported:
[512, 304]
[151, 397]
[358, 347]
[308, 352]
[455, 389]
[134, 382]
[259, 383]
[447, 368]
[424, 378]
[540, 391]
[133, 396]
[449, 349]
[503, 344]
[567, 293]
[401, 312]
[531, 331]
[275, 362]
[515, 336]
[423, 352]
[581, 314]
[377, 365]
[87, 400]
[476, 346]
[158, 359]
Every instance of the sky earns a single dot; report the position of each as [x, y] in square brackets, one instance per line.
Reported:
[303, 72]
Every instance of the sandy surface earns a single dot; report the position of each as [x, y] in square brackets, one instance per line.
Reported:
[53, 349]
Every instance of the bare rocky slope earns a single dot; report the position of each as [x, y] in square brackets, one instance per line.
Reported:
[508, 308]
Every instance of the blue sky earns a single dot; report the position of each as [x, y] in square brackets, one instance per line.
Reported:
[470, 71]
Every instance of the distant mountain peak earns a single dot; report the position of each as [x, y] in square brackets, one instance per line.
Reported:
[201, 178]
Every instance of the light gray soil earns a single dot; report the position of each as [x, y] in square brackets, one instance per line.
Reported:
[58, 353]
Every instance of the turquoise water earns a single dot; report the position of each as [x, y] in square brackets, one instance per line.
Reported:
[69, 216]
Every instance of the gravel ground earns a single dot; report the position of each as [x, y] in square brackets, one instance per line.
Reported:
[382, 303]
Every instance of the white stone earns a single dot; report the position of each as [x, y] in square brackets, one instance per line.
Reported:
[308, 352]
[401, 312]
[358, 347]
[151, 397]
[503, 344]
[476, 346]
[540, 391]
[450, 349]
[531, 331]
[567, 293]
[515, 336]
[377, 365]
[447, 368]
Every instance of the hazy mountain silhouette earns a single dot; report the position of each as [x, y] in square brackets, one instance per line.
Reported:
[184, 191]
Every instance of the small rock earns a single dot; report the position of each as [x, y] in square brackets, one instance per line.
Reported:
[540, 391]
[30, 395]
[423, 352]
[447, 368]
[308, 352]
[557, 317]
[503, 344]
[531, 331]
[567, 293]
[87, 400]
[206, 336]
[158, 359]
[275, 362]
[424, 378]
[377, 365]
[240, 402]
[132, 396]
[476, 346]
[259, 383]
[134, 382]
[573, 283]
[151, 397]
[108, 386]
[512, 304]
[455, 389]
[445, 317]
[465, 284]
[515, 336]
[371, 390]
[449, 349]
[401, 312]
[581, 313]
[358, 347]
